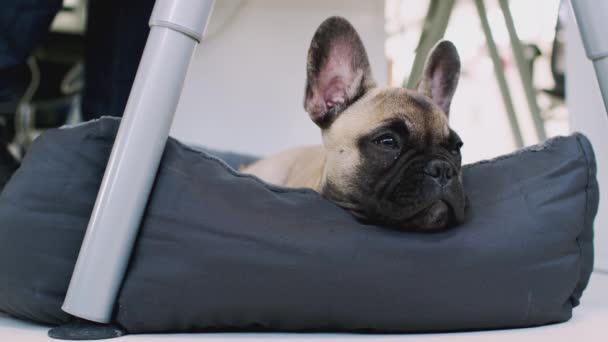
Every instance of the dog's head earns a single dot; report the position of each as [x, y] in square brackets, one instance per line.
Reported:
[392, 159]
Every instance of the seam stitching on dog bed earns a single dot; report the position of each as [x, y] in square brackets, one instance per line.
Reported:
[279, 189]
[589, 164]
[587, 160]
[238, 174]
[203, 154]
[532, 148]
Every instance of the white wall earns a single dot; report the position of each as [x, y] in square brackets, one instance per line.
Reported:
[245, 88]
[587, 115]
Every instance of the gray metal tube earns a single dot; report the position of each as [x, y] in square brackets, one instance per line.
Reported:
[500, 74]
[176, 27]
[524, 72]
[591, 16]
[434, 27]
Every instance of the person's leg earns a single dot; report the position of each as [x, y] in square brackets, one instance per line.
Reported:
[23, 25]
[116, 35]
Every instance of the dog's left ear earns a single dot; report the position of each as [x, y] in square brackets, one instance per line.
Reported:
[337, 71]
[441, 73]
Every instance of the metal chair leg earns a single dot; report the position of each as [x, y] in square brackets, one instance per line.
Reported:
[176, 27]
[500, 74]
[435, 24]
[591, 20]
[524, 72]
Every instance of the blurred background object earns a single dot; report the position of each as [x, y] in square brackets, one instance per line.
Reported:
[252, 69]
[479, 112]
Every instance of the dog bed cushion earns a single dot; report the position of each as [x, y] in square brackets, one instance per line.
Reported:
[218, 250]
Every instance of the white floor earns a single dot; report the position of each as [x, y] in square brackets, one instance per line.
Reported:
[589, 324]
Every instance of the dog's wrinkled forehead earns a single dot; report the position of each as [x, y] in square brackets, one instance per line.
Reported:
[423, 118]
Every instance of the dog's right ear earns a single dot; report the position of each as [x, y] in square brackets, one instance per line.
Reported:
[441, 73]
[337, 71]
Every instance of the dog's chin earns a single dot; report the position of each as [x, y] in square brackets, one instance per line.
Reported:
[436, 210]
[437, 216]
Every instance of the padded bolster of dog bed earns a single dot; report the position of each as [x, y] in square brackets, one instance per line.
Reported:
[218, 250]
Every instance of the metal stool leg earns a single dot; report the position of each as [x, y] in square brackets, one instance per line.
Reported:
[500, 75]
[524, 72]
[435, 24]
[591, 20]
[176, 27]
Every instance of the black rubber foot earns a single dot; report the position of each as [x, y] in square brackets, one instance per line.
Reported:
[86, 330]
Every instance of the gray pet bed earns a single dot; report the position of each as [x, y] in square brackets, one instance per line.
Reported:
[218, 250]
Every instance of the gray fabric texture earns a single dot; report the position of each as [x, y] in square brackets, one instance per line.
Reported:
[218, 250]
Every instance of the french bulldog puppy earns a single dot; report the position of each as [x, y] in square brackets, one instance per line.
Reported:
[388, 153]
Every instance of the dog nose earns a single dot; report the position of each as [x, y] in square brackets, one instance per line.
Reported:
[441, 171]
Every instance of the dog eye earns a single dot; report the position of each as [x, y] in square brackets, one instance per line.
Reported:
[387, 141]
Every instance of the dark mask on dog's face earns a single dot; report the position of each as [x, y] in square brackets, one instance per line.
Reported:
[391, 157]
